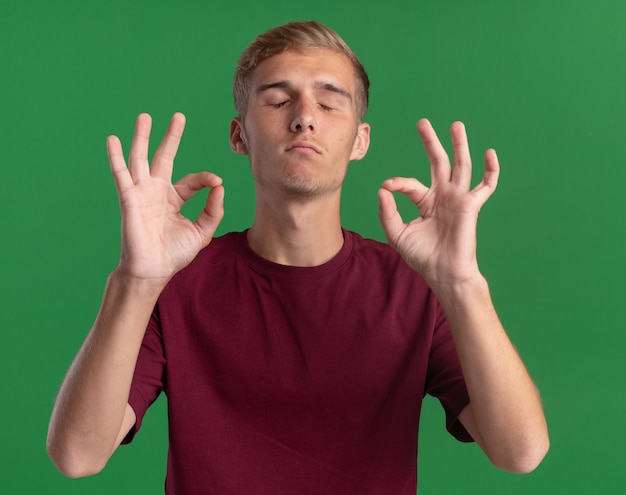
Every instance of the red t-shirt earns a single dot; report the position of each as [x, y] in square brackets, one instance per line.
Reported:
[294, 380]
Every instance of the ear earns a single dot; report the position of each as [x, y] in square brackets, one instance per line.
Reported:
[237, 137]
[361, 142]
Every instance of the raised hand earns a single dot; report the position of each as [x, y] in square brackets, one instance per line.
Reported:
[441, 242]
[157, 240]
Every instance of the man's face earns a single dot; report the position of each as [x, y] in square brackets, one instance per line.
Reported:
[301, 128]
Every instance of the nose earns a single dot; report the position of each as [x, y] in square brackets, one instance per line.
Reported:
[303, 119]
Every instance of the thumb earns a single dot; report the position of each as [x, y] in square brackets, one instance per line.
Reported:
[211, 215]
[389, 215]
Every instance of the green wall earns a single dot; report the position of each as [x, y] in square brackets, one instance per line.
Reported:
[542, 82]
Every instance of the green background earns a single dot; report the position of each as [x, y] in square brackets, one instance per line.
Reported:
[542, 82]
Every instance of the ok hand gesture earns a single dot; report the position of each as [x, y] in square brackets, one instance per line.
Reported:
[157, 240]
[441, 243]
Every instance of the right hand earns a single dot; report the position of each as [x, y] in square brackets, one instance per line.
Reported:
[157, 240]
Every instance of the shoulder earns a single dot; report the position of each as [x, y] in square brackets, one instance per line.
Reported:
[220, 250]
[378, 261]
[376, 252]
[219, 255]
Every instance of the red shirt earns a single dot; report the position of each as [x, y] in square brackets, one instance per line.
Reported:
[293, 380]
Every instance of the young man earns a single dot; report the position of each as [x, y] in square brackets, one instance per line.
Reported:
[295, 355]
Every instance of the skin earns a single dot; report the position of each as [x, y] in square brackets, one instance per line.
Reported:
[505, 414]
[91, 415]
[300, 132]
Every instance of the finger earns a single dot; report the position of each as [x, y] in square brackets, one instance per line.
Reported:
[163, 161]
[192, 183]
[487, 186]
[492, 168]
[212, 214]
[440, 169]
[413, 189]
[389, 215]
[121, 176]
[462, 171]
[138, 164]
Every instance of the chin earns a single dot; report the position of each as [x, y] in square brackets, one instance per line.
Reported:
[307, 185]
[302, 187]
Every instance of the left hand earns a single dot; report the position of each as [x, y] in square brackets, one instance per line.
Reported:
[441, 243]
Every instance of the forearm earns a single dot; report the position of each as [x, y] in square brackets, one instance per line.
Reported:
[505, 408]
[90, 407]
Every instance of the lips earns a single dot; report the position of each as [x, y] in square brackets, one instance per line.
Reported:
[303, 147]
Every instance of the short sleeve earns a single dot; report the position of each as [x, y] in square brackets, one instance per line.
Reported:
[445, 380]
[148, 379]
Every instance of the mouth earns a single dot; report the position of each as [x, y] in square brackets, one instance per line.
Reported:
[304, 147]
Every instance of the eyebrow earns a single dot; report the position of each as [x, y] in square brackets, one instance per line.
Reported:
[322, 85]
[326, 86]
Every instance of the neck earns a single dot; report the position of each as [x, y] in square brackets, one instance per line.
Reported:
[297, 233]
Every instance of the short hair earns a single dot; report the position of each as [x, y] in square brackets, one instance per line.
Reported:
[309, 35]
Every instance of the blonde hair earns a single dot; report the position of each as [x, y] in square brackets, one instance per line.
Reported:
[295, 36]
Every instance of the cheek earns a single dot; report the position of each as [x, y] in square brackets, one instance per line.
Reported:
[262, 132]
[259, 150]
[344, 139]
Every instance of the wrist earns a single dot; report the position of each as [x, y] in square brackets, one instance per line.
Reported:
[149, 288]
[458, 293]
